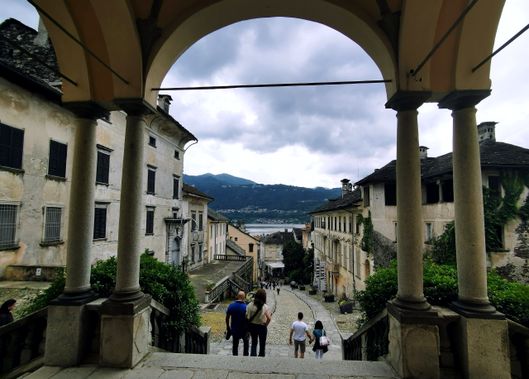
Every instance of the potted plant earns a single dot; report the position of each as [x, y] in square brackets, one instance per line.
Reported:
[313, 290]
[328, 297]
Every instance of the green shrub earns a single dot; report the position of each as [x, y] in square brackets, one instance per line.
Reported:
[443, 248]
[440, 288]
[165, 283]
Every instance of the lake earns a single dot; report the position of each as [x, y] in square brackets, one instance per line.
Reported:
[260, 229]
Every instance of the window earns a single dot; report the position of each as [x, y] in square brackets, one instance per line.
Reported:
[194, 225]
[390, 193]
[8, 225]
[152, 141]
[100, 221]
[193, 248]
[396, 231]
[103, 165]
[151, 179]
[367, 200]
[52, 224]
[149, 221]
[176, 154]
[200, 221]
[176, 187]
[447, 190]
[429, 231]
[57, 162]
[432, 193]
[250, 247]
[495, 185]
[200, 252]
[11, 146]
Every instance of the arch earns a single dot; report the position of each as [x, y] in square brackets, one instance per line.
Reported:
[339, 15]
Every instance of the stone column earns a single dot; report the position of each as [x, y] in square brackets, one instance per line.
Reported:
[409, 203]
[66, 332]
[484, 342]
[414, 343]
[125, 334]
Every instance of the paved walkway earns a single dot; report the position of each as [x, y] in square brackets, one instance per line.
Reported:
[211, 272]
[285, 308]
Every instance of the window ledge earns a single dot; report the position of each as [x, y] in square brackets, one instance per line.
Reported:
[16, 171]
[151, 193]
[102, 184]
[99, 239]
[149, 234]
[56, 178]
[13, 247]
[51, 243]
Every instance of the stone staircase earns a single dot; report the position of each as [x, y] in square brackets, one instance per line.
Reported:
[167, 365]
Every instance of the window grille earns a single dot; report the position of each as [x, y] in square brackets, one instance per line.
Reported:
[8, 225]
[52, 224]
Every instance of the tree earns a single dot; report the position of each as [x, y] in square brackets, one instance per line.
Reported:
[293, 255]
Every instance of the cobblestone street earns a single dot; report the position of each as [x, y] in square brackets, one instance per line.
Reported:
[285, 307]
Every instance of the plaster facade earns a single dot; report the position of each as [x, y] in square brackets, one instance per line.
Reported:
[249, 244]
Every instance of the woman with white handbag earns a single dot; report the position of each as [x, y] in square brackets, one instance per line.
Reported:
[321, 341]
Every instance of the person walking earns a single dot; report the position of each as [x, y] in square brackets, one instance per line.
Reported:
[236, 324]
[258, 316]
[318, 332]
[299, 331]
[5, 312]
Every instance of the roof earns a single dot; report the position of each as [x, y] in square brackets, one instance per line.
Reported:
[347, 201]
[231, 245]
[216, 216]
[297, 233]
[190, 190]
[492, 155]
[16, 41]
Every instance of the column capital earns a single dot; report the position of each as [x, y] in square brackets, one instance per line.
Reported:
[87, 109]
[135, 107]
[407, 100]
[457, 100]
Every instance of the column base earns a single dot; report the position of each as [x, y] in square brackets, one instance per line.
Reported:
[414, 344]
[483, 348]
[409, 305]
[125, 332]
[126, 296]
[75, 298]
[476, 310]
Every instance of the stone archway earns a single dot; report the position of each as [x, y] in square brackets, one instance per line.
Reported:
[125, 48]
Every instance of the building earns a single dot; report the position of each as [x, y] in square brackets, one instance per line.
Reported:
[249, 244]
[273, 265]
[218, 234]
[340, 264]
[37, 146]
[504, 169]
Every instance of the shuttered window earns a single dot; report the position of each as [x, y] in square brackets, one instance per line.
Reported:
[57, 162]
[103, 165]
[11, 146]
[151, 180]
[100, 221]
[149, 221]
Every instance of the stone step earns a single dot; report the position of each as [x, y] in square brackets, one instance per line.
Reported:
[171, 365]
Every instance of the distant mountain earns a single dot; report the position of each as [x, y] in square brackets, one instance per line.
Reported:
[250, 202]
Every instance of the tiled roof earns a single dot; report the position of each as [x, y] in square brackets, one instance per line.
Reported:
[492, 155]
[347, 201]
[17, 63]
[193, 191]
[216, 216]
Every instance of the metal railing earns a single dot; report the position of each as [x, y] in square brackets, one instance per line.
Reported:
[370, 342]
[224, 257]
[22, 344]
[194, 340]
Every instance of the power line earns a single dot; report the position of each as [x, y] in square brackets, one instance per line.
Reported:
[268, 85]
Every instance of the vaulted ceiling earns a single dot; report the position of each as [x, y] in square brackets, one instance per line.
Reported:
[126, 47]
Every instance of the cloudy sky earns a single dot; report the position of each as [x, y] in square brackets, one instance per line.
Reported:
[313, 136]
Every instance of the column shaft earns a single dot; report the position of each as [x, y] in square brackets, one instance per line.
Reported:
[130, 214]
[468, 203]
[409, 213]
[81, 209]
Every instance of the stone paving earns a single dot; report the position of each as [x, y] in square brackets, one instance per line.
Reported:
[285, 307]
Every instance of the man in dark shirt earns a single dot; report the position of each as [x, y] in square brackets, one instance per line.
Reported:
[236, 313]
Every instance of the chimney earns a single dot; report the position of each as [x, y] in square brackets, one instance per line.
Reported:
[164, 102]
[423, 152]
[487, 131]
[42, 36]
[346, 186]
